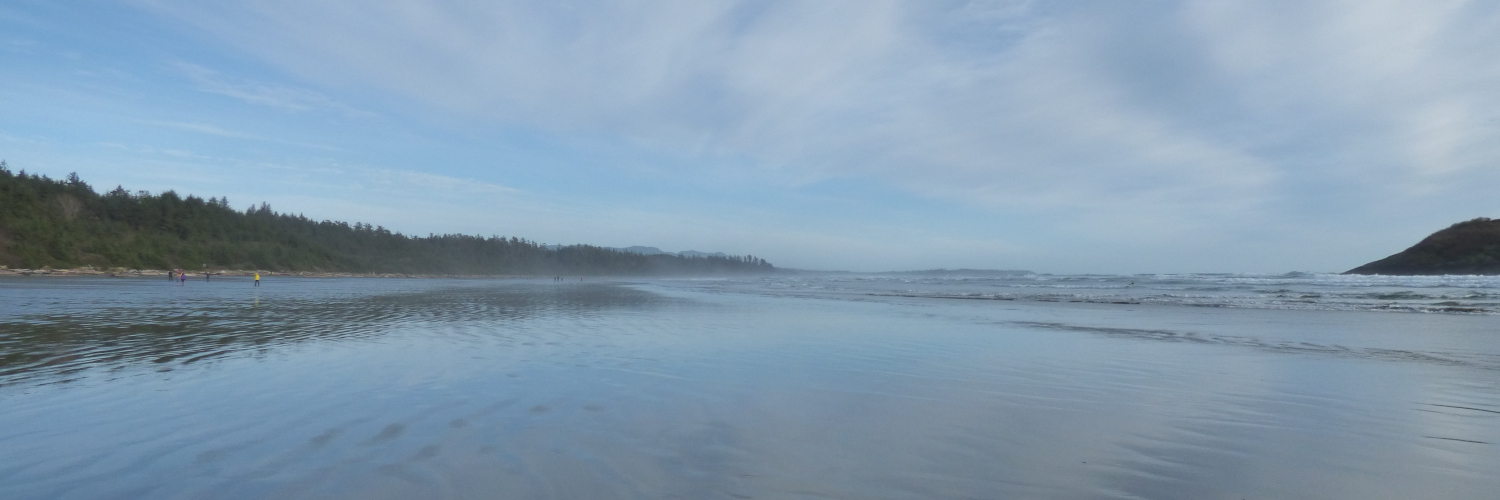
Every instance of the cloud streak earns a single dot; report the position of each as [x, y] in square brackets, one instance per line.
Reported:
[275, 96]
[1137, 121]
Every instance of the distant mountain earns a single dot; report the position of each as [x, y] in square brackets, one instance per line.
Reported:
[657, 251]
[963, 272]
[641, 250]
[695, 253]
[1469, 247]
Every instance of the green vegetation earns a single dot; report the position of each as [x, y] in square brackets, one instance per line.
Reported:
[64, 224]
[1469, 247]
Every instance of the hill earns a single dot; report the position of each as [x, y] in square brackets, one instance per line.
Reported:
[1469, 247]
[64, 223]
[974, 273]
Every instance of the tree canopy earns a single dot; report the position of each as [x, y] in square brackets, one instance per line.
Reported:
[64, 223]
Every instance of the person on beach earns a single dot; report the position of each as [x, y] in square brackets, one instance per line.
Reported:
[182, 278]
[257, 278]
[171, 276]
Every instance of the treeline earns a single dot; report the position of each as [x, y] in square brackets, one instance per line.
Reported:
[64, 223]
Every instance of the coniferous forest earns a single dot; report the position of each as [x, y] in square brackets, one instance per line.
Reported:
[64, 223]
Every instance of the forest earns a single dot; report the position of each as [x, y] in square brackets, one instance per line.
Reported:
[64, 223]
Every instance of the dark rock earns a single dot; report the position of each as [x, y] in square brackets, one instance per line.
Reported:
[1470, 247]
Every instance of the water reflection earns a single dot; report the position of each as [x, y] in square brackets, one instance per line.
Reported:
[382, 389]
[58, 346]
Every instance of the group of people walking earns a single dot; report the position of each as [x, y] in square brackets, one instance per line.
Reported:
[180, 276]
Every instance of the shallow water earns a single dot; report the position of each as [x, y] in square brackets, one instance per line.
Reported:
[1302, 291]
[809, 387]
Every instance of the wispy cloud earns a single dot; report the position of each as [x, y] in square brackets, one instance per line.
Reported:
[18, 46]
[219, 131]
[1142, 121]
[276, 96]
[203, 128]
[433, 184]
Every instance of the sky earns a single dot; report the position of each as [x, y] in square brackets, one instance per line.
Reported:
[1063, 137]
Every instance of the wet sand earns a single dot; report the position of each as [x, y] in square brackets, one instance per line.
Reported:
[343, 388]
[137, 273]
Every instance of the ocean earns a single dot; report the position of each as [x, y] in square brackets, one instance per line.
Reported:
[1208, 386]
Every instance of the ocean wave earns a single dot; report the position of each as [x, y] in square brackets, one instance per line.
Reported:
[1297, 290]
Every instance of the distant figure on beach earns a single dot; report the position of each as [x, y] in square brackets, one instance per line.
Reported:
[207, 276]
[257, 278]
[182, 278]
[171, 276]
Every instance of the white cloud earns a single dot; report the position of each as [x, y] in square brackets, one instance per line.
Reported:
[406, 180]
[203, 128]
[276, 96]
[1138, 121]
[1414, 81]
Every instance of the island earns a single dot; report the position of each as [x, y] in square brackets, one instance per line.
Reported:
[1469, 247]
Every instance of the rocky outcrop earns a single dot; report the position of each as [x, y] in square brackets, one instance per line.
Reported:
[1470, 247]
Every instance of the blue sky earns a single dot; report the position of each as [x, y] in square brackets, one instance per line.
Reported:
[1065, 137]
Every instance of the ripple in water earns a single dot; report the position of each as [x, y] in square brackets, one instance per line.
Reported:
[53, 346]
[730, 389]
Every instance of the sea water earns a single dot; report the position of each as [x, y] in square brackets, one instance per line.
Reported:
[838, 386]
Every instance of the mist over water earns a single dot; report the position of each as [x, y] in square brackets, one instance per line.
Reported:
[789, 387]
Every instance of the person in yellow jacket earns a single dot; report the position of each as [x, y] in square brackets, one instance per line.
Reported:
[257, 278]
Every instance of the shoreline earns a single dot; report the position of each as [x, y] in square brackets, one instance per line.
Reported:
[132, 273]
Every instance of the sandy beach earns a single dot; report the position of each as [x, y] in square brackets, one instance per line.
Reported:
[125, 273]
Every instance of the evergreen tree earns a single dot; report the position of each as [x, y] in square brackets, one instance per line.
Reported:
[64, 224]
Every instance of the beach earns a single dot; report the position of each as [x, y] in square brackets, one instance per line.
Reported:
[1193, 387]
[136, 273]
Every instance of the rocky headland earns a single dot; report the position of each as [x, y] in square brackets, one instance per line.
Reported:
[1469, 247]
